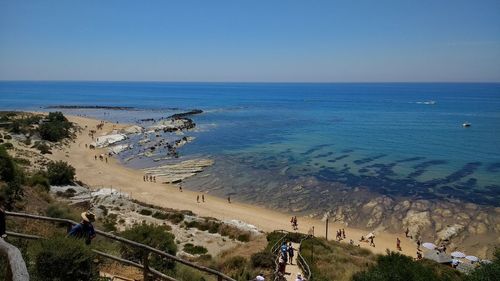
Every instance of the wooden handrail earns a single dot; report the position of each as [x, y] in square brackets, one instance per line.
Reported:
[220, 275]
[301, 261]
[16, 270]
[127, 262]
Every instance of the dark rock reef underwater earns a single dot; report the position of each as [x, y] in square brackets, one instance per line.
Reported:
[449, 210]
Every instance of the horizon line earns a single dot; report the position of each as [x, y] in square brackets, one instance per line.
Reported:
[256, 82]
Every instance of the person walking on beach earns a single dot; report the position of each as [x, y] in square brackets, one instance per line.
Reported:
[143, 178]
[418, 244]
[343, 233]
[198, 199]
[154, 178]
[203, 198]
[106, 160]
[85, 229]
[180, 188]
[406, 232]
[229, 199]
[371, 241]
[95, 157]
[398, 244]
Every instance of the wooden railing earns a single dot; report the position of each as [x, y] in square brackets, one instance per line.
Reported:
[146, 269]
[301, 262]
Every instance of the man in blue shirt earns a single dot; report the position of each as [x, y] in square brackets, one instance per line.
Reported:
[85, 229]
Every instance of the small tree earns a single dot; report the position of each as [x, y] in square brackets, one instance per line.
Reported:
[60, 173]
[55, 128]
[155, 236]
[61, 258]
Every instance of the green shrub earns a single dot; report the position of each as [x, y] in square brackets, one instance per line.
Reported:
[194, 250]
[62, 259]
[59, 211]
[39, 179]
[160, 215]
[235, 262]
[175, 218]
[145, 212]
[487, 272]
[22, 161]
[244, 237]
[155, 236]
[263, 260]
[42, 147]
[60, 173]
[55, 127]
[7, 145]
[396, 266]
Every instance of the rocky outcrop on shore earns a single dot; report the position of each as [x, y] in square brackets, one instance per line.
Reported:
[177, 172]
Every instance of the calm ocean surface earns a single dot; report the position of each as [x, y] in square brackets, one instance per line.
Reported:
[381, 136]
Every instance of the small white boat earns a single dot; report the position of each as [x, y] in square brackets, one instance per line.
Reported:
[466, 124]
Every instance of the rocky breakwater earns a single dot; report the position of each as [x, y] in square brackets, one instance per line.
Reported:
[177, 172]
[467, 227]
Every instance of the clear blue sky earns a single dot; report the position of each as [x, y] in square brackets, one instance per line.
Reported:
[253, 40]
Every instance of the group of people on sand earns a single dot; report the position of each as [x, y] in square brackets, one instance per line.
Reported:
[369, 238]
[149, 178]
[293, 222]
[202, 198]
[340, 235]
[101, 157]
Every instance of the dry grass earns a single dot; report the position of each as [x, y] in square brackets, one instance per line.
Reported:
[331, 260]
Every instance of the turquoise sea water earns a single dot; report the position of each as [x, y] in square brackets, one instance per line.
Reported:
[380, 136]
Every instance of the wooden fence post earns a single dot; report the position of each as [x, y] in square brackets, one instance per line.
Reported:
[145, 263]
[326, 235]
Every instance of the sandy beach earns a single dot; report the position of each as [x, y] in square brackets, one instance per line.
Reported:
[96, 174]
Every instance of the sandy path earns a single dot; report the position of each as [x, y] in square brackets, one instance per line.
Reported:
[293, 268]
[98, 173]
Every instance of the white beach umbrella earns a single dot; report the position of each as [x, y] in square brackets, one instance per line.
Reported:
[458, 255]
[429, 245]
[472, 258]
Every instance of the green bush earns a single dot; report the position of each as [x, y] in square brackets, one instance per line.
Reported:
[160, 215]
[7, 145]
[263, 260]
[62, 259]
[155, 236]
[194, 250]
[244, 237]
[60, 173]
[39, 179]
[59, 211]
[235, 262]
[55, 127]
[396, 266]
[145, 212]
[487, 272]
[42, 147]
